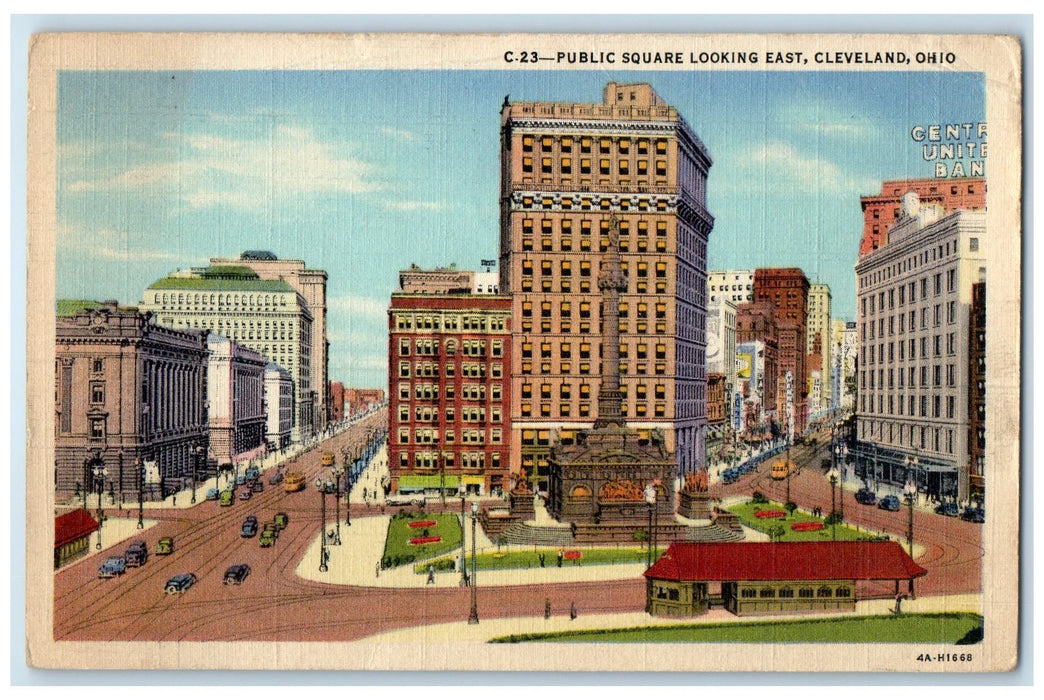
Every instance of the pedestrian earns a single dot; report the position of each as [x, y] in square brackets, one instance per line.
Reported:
[431, 573]
[378, 570]
[560, 555]
[547, 609]
[540, 556]
[572, 610]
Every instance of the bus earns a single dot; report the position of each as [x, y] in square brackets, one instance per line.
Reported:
[295, 481]
[781, 469]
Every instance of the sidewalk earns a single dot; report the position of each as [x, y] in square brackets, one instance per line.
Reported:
[114, 531]
[499, 627]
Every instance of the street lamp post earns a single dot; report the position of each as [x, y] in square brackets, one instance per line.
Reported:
[473, 618]
[321, 488]
[140, 466]
[788, 469]
[910, 490]
[650, 500]
[833, 516]
[463, 538]
[100, 472]
[337, 505]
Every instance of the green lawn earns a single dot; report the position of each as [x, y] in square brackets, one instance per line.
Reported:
[938, 628]
[397, 549]
[746, 513]
[530, 558]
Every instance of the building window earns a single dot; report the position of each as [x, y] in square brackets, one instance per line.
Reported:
[97, 428]
[97, 392]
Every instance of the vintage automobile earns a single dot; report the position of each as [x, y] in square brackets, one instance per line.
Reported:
[236, 573]
[180, 583]
[249, 528]
[889, 503]
[113, 566]
[252, 473]
[295, 481]
[212, 494]
[165, 546]
[281, 520]
[866, 497]
[948, 508]
[275, 478]
[228, 496]
[268, 536]
[974, 515]
[137, 554]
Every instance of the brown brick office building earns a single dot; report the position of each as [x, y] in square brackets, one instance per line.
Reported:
[565, 169]
[448, 379]
[786, 288]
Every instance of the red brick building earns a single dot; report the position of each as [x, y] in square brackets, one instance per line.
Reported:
[336, 402]
[882, 210]
[717, 406]
[359, 400]
[786, 288]
[450, 391]
[757, 323]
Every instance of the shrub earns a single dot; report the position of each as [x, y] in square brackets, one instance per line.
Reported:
[758, 497]
[640, 536]
[790, 507]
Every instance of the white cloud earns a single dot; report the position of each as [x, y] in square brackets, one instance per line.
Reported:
[120, 246]
[356, 304]
[787, 168]
[401, 134]
[209, 170]
[412, 205]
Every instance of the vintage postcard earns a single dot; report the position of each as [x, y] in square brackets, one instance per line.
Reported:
[524, 352]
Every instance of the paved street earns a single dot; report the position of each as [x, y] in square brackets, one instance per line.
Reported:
[281, 600]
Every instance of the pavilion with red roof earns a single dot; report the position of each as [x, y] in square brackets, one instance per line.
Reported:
[72, 534]
[758, 578]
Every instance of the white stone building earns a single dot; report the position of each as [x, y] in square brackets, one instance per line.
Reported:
[235, 399]
[279, 406]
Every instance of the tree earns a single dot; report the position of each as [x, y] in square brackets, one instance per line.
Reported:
[776, 533]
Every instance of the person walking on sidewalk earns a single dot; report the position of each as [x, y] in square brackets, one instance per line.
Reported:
[547, 608]
[431, 573]
[572, 610]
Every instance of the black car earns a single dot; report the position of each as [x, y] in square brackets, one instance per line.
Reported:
[249, 527]
[137, 554]
[948, 508]
[866, 497]
[889, 503]
[180, 583]
[974, 515]
[236, 573]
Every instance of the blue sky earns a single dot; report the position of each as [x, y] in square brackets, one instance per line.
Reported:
[361, 173]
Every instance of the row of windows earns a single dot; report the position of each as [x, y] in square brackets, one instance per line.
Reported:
[474, 370]
[912, 436]
[565, 326]
[590, 203]
[565, 410]
[181, 300]
[907, 349]
[909, 291]
[449, 322]
[565, 391]
[430, 346]
[915, 261]
[585, 166]
[469, 392]
[930, 406]
[821, 592]
[427, 436]
[585, 144]
[936, 377]
[430, 460]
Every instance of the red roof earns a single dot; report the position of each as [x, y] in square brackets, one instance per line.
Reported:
[784, 561]
[72, 526]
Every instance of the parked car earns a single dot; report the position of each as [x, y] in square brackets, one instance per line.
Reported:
[257, 486]
[165, 546]
[974, 515]
[227, 497]
[281, 520]
[113, 566]
[866, 497]
[889, 503]
[948, 508]
[236, 573]
[137, 554]
[180, 583]
[275, 478]
[246, 495]
[268, 536]
[241, 479]
[212, 494]
[252, 473]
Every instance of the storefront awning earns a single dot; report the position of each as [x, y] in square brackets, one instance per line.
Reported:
[418, 482]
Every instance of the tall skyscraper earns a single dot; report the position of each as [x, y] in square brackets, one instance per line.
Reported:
[818, 341]
[914, 301]
[268, 316]
[786, 288]
[310, 284]
[566, 168]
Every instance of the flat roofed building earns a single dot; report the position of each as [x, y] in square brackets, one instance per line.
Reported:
[279, 406]
[914, 297]
[881, 211]
[268, 316]
[448, 376]
[566, 168]
[130, 398]
[817, 342]
[786, 288]
[311, 284]
[235, 399]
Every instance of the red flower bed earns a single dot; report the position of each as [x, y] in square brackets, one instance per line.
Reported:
[806, 527]
[426, 540]
[422, 523]
[573, 554]
[769, 514]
